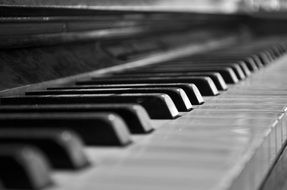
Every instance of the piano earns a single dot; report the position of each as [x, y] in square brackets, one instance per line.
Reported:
[143, 95]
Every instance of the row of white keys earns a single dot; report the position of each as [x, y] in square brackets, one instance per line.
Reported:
[228, 143]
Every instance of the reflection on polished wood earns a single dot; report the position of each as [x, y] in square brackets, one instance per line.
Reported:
[208, 6]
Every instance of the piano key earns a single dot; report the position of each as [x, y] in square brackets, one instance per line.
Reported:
[249, 100]
[158, 106]
[216, 77]
[190, 89]
[245, 68]
[277, 176]
[258, 61]
[227, 73]
[134, 115]
[106, 129]
[210, 148]
[276, 51]
[251, 64]
[158, 158]
[279, 50]
[265, 59]
[239, 67]
[233, 113]
[178, 96]
[257, 92]
[23, 167]
[205, 85]
[236, 68]
[62, 148]
[220, 62]
[199, 64]
[271, 55]
[246, 62]
[249, 61]
[243, 107]
[243, 65]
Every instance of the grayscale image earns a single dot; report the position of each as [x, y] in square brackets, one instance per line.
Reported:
[143, 94]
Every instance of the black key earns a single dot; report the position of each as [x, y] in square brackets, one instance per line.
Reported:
[205, 85]
[270, 55]
[274, 53]
[248, 61]
[190, 89]
[264, 58]
[176, 94]
[134, 115]
[190, 64]
[258, 61]
[237, 70]
[23, 167]
[239, 67]
[215, 77]
[227, 73]
[244, 68]
[251, 64]
[93, 128]
[234, 64]
[279, 49]
[62, 148]
[158, 106]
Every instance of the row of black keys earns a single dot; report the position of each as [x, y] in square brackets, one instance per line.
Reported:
[104, 111]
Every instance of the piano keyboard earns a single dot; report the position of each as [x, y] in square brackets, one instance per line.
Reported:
[214, 120]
